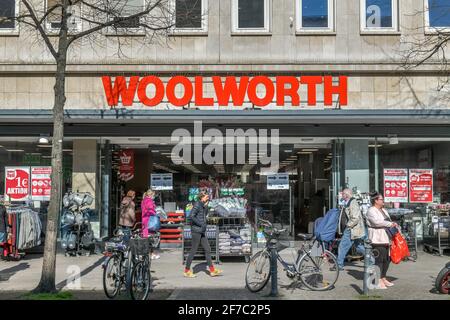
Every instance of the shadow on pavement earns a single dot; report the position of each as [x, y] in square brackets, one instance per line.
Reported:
[86, 271]
[7, 273]
[357, 289]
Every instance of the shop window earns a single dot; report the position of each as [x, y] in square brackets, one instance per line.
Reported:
[251, 16]
[8, 9]
[437, 15]
[315, 15]
[190, 15]
[53, 22]
[379, 15]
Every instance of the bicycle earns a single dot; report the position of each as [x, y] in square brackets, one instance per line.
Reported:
[128, 265]
[315, 269]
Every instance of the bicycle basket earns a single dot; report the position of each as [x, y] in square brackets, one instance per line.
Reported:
[140, 246]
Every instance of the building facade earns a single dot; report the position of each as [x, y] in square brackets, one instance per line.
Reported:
[394, 117]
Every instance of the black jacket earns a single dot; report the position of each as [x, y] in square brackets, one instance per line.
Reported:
[198, 217]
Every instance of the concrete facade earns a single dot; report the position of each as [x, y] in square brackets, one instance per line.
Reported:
[372, 61]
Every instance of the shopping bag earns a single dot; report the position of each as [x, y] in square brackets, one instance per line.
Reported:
[154, 224]
[399, 249]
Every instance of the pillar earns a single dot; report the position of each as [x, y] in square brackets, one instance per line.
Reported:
[356, 161]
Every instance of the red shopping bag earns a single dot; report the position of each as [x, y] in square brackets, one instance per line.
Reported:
[399, 249]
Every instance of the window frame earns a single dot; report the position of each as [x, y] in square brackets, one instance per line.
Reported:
[429, 29]
[395, 29]
[51, 30]
[196, 31]
[12, 31]
[140, 31]
[331, 29]
[266, 30]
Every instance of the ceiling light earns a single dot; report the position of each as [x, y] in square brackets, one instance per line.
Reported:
[163, 143]
[304, 152]
[288, 151]
[155, 151]
[310, 150]
[44, 145]
[67, 150]
[373, 146]
[15, 150]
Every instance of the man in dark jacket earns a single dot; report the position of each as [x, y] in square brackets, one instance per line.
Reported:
[198, 231]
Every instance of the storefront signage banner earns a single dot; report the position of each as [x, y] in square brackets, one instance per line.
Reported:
[278, 181]
[421, 185]
[396, 185]
[41, 183]
[17, 183]
[126, 167]
[161, 181]
[226, 90]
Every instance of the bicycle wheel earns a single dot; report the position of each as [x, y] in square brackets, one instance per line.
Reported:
[140, 281]
[258, 271]
[111, 276]
[318, 273]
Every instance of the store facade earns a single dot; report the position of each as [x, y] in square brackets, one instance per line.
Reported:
[338, 106]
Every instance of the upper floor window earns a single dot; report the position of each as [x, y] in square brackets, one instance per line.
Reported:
[8, 9]
[315, 15]
[53, 22]
[126, 8]
[251, 15]
[190, 15]
[437, 15]
[379, 15]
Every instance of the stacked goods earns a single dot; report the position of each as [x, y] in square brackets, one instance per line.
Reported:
[229, 207]
[224, 243]
[234, 242]
[171, 228]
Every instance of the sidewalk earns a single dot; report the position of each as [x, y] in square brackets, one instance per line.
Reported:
[413, 280]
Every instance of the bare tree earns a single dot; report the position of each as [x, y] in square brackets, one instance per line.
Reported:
[60, 24]
[429, 46]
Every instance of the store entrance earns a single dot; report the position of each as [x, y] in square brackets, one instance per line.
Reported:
[294, 206]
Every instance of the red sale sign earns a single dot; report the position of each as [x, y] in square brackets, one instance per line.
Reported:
[395, 185]
[16, 183]
[126, 168]
[421, 185]
[41, 183]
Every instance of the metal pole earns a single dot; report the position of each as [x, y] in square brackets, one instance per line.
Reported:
[376, 165]
[367, 257]
[290, 210]
[273, 269]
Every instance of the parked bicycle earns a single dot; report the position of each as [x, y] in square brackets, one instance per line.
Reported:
[314, 265]
[127, 266]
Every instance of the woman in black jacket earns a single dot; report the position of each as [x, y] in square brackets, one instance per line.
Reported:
[198, 231]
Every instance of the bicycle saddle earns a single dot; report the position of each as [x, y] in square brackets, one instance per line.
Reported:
[305, 236]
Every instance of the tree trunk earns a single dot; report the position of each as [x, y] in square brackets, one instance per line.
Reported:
[47, 282]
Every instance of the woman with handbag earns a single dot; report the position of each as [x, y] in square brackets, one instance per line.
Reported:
[148, 209]
[380, 226]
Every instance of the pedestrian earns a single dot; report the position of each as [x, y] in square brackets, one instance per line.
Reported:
[148, 209]
[128, 214]
[378, 222]
[3, 223]
[351, 227]
[198, 231]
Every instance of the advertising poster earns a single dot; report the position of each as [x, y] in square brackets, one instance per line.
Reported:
[126, 164]
[421, 185]
[278, 181]
[41, 183]
[395, 185]
[17, 183]
[161, 181]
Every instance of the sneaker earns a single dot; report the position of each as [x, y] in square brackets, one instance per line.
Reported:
[215, 273]
[189, 274]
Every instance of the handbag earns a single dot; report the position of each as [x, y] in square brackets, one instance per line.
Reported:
[391, 231]
[399, 249]
[154, 224]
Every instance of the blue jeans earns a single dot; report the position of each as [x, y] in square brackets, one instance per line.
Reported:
[345, 245]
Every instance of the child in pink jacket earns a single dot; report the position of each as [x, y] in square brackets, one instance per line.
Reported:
[148, 209]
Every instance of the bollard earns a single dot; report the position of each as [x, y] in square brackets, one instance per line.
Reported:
[367, 257]
[273, 269]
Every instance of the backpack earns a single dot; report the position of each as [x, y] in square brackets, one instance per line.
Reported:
[325, 228]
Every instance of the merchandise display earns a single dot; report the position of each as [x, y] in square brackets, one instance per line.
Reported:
[172, 229]
[229, 207]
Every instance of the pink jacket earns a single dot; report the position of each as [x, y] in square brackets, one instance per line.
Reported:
[377, 225]
[148, 209]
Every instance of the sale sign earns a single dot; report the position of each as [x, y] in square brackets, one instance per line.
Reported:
[41, 183]
[395, 185]
[421, 185]
[126, 166]
[16, 183]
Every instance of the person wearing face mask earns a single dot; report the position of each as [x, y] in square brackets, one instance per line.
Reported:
[198, 231]
[379, 221]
